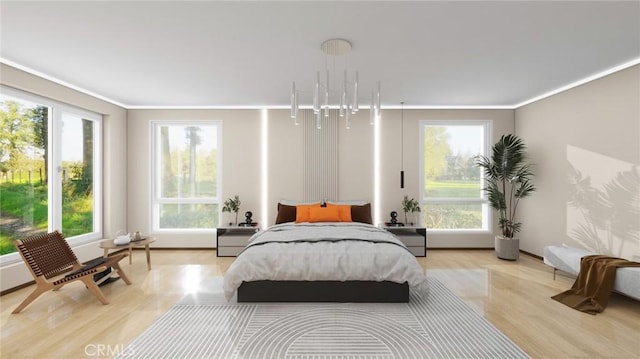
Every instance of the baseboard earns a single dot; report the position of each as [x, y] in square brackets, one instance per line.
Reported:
[459, 248]
[480, 249]
[531, 255]
[13, 289]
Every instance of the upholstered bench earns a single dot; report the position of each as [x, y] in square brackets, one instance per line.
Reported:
[567, 259]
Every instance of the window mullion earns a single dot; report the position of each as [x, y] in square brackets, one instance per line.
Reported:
[55, 170]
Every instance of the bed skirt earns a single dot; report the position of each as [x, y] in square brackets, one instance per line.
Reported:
[324, 291]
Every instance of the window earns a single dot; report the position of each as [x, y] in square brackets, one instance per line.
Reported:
[186, 172]
[50, 161]
[451, 195]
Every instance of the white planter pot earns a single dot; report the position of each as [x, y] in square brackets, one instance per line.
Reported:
[507, 248]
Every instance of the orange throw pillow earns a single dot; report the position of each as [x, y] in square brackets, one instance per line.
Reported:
[324, 214]
[302, 212]
[344, 211]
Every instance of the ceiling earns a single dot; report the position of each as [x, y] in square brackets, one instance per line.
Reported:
[246, 54]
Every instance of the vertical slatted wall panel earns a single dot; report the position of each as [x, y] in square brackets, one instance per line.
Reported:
[320, 157]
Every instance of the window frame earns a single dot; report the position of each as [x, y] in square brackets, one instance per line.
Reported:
[487, 213]
[56, 182]
[154, 190]
[54, 210]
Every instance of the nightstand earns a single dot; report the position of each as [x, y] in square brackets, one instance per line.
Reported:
[415, 238]
[232, 240]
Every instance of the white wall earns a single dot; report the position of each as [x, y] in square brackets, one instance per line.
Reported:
[591, 132]
[285, 159]
[355, 156]
[114, 160]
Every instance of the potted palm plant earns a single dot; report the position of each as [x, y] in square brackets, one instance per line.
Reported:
[507, 181]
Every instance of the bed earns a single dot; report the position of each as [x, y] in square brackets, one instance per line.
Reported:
[324, 257]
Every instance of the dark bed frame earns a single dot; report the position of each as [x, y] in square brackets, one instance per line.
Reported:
[324, 291]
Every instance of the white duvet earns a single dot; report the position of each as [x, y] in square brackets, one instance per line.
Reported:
[325, 251]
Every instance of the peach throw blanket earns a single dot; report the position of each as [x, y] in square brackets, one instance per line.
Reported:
[590, 292]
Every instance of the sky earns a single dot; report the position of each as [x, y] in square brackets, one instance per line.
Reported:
[71, 137]
[465, 139]
[208, 137]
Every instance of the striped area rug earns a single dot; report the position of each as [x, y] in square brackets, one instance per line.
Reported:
[439, 326]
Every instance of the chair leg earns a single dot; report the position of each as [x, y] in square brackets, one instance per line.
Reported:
[121, 273]
[93, 287]
[35, 294]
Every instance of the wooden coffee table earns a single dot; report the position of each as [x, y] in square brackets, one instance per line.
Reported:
[108, 244]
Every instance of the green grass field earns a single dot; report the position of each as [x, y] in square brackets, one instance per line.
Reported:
[454, 216]
[28, 204]
[455, 189]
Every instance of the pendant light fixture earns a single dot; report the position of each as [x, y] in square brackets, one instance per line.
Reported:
[402, 144]
[341, 92]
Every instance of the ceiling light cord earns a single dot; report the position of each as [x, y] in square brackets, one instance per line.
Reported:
[402, 144]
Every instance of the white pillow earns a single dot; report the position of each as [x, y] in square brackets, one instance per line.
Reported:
[352, 203]
[295, 203]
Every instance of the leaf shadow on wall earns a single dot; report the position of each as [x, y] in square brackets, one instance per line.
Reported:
[608, 215]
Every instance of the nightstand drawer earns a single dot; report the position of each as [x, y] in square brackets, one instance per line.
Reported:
[414, 240]
[234, 240]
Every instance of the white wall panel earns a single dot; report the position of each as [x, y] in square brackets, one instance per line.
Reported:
[320, 156]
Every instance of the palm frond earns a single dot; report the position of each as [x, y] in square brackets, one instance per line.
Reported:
[524, 189]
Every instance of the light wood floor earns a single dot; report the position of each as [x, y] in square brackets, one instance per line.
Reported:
[514, 296]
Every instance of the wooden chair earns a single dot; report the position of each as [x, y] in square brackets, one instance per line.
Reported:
[48, 256]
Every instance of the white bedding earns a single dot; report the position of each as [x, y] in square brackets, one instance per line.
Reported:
[325, 251]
